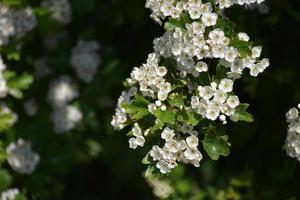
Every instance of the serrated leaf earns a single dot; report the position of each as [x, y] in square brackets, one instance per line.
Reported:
[176, 100]
[158, 125]
[138, 108]
[188, 117]
[243, 47]
[216, 145]
[167, 116]
[241, 114]
[17, 83]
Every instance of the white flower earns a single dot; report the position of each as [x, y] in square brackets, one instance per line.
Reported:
[233, 101]
[201, 67]
[212, 113]
[21, 158]
[209, 19]
[62, 91]
[167, 134]
[226, 85]
[192, 141]
[65, 118]
[163, 167]
[243, 37]
[60, 9]
[85, 59]
[10, 194]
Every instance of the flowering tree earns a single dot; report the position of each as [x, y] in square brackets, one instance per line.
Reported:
[62, 64]
[184, 92]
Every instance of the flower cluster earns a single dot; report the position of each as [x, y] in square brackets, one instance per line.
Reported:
[215, 101]
[60, 9]
[15, 23]
[292, 143]
[3, 85]
[174, 151]
[160, 9]
[161, 188]
[85, 59]
[188, 83]
[10, 194]
[64, 117]
[21, 157]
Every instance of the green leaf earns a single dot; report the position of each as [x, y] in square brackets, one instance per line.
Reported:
[20, 197]
[220, 73]
[243, 47]
[17, 83]
[227, 26]
[157, 126]
[172, 24]
[241, 114]
[176, 100]
[188, 117]
[6, 121]
[216, 145]
[145, 160]
[138, 108]
[167, 116]
[5, 179]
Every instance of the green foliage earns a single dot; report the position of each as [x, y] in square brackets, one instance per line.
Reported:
[138, 108]
[215, 144]
[17, 83]
[241, 114]
[5, 179]
[167, 116]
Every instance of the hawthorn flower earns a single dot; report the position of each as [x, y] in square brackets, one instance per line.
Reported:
[62, 91]
[65, 118]
[21, 157]
[189, 78]
[10, 194]
[292, 142]
[60, 9]
[85, 59]
[15, 22]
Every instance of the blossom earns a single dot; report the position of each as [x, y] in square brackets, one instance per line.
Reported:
[10, 194]
[15, 22]
[21, 157]
[62, 91]
[65, 118]
[85, 59]
[60, 9]
[292, 142]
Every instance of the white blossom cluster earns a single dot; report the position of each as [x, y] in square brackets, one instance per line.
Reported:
[10, 194]
[120, 117]
[189, 48]
[61, 10]
[21, 157]
[64, 116]
[215, 101]
[161, 9]
[85, 59]
[62, 91]
[193, 46]
[174, 151]
[292, 143]
[161, 188]
[3, 85]
[15, 23]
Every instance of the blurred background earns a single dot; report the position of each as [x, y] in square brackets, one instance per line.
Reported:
[94, 162]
